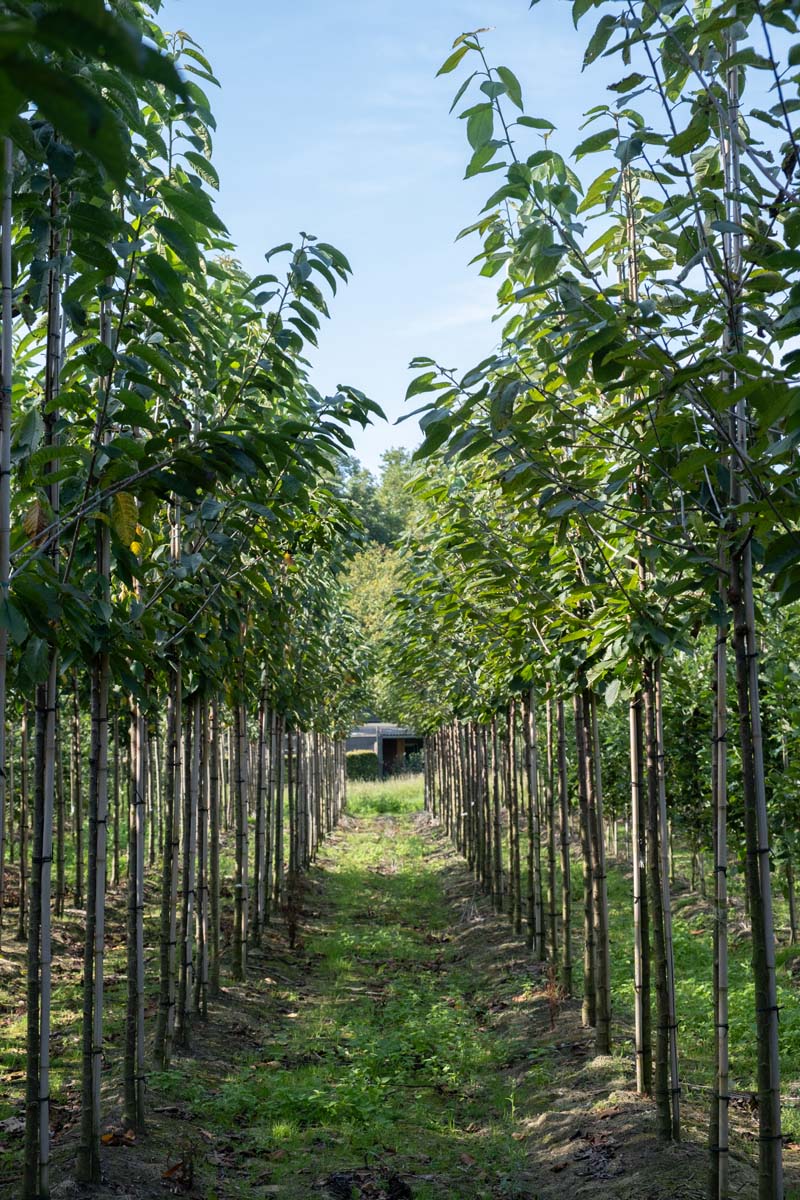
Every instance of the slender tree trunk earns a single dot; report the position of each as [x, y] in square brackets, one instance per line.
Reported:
[6, 380]
[594, 792]
[115, 861]
[10, 793]
[77, 791]
[134, 1076]
[515, 898]
[641, 923]
[36, 1180]
[201, 975]
[656, 901]
[169, 875]
[268, 883]
[88, 1163]
[24, 820]
[566, 866]
[240, 908]
[675, 1085]
[535, 934]
[552, 883]
[719, 1188]
[30, 1180]
[759, 887]
[279, 810]
[259, 849]
[213, 806]
[191, 802]
[792, 898]
[60, 875]
[589, 1007]
[496, 820]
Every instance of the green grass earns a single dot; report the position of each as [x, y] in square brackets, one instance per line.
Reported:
[380, 1050]
[401, 794]
[692, 937]
[385, 1061]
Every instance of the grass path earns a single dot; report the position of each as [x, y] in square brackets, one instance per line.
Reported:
[382, 1073]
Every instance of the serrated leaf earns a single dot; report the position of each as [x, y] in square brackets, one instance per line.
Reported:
[124, 517]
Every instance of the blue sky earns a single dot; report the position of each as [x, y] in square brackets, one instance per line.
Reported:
[330, 119]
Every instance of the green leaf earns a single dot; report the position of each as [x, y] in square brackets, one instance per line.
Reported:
[166, 281]
[791, 228]
[628, 83]
[536, 123]
[600, 38]
[191, 202]
[452, 62]
[34, 665]
[12, 620]
[513, 86]
[727, 227]
[480, 159]
[423, 383]
[597, 141]
[77, 113]
[480, 125]
[580, 8]
[180, 241]
[203, 167]
[628, 149]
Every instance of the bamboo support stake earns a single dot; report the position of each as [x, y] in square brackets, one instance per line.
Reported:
[6, 380]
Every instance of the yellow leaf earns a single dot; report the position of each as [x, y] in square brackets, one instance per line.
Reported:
[124, 517]
[35, 521]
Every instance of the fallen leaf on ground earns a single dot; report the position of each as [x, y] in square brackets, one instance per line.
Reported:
[118, 1137]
